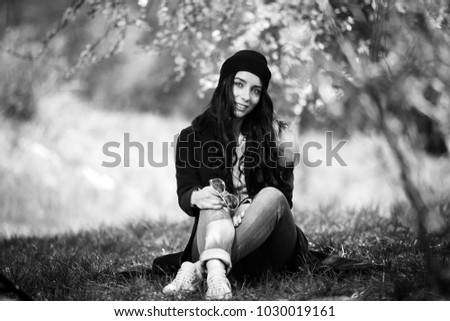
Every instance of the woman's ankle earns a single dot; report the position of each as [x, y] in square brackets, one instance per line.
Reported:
[215, 266]
[216, 259]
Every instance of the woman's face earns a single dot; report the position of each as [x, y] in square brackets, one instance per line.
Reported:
[247, 92]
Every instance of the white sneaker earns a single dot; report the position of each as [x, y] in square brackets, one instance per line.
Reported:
[219, 287]
[187, 280]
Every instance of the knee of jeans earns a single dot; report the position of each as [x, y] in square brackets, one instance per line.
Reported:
[276, 197]
[273, 193]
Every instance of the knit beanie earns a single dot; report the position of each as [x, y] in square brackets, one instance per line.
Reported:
[247, 60]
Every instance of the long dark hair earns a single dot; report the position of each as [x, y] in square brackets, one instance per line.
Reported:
[260, 156]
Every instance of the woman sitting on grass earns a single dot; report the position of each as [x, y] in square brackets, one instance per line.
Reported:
[234, 169]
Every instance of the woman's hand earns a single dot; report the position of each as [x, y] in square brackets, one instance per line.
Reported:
[237, 218]
[207, 199]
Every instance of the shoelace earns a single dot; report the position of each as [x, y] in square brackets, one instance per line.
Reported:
[219, 287]
[184, 280]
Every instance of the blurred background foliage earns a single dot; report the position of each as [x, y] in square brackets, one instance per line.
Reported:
[75, 74]
[322, 54]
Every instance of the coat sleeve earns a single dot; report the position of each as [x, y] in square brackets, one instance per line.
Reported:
[188, 164]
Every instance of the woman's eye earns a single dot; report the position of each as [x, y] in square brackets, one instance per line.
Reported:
[257, 91]
[240, 85]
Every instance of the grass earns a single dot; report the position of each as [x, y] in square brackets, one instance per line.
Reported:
[85, 265]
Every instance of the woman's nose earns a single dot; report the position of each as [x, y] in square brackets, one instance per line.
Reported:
[245, 94]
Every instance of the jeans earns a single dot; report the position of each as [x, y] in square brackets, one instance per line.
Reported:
[265, 239]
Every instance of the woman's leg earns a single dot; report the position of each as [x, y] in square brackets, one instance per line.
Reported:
[211, 253]
[215, 235]
[214, 239]
[266, 238]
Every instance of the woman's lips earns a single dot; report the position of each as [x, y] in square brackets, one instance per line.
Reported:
[240, 107]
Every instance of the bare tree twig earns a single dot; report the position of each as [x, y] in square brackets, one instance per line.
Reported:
[68, 16]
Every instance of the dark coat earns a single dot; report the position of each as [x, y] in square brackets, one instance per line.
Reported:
[197, 159]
